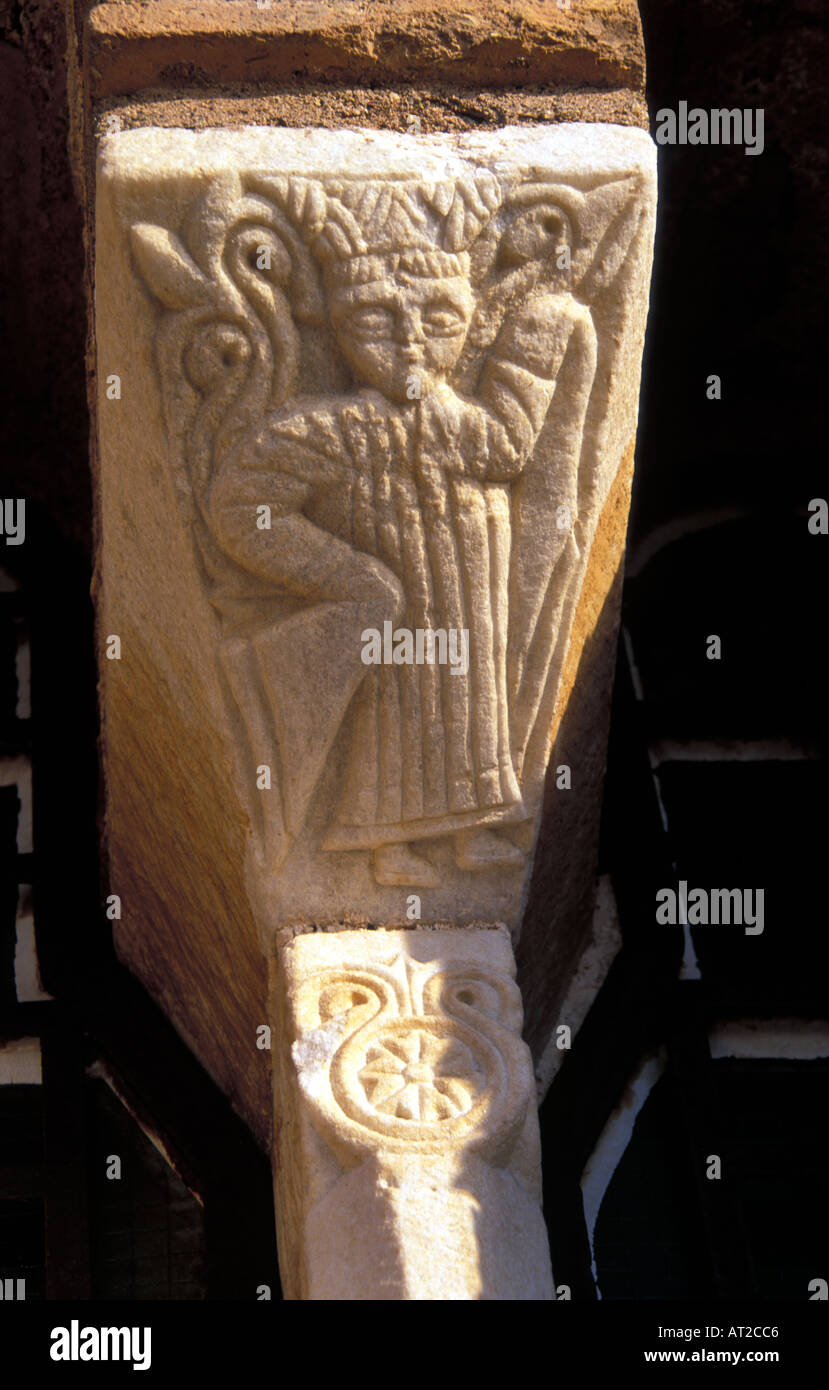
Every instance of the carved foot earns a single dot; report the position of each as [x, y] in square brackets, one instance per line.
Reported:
[398, 866]
[482, 849]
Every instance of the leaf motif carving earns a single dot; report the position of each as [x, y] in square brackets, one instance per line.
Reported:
[167, 268]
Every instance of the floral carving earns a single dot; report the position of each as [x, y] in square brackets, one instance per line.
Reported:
[416, 1076]
[424, 1056]
[416, 1117]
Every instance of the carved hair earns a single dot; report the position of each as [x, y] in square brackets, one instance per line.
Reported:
[408, 264]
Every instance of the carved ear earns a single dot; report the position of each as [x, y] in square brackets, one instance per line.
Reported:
[168, 270]
[537, 233]
[462, 991]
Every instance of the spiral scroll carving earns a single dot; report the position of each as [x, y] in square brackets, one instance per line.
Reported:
[418, 1057]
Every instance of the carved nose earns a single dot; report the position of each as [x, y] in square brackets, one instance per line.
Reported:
[410, 333]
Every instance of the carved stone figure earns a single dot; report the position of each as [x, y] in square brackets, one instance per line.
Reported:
[373, 397]
[425, 485]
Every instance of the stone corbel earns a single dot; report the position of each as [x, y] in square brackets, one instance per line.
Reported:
[365, 400]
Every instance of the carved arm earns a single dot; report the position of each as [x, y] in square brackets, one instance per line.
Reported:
[275, 467]
[520, 376]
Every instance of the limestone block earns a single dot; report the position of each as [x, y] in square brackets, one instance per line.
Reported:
[363, 399]
[408, 1155]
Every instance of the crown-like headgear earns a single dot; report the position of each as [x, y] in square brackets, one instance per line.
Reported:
[360, 230]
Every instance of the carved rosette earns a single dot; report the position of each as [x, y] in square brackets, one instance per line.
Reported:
[413, 1058]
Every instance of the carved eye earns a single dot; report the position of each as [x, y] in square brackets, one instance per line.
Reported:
[536, 233]
[372, 322]
[478, 995]
[342, 997]
[213, 350]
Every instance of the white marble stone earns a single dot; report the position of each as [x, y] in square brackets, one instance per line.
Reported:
[388, 381]
[412, 1169]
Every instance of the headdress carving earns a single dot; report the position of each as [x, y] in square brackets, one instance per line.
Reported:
[361, 231]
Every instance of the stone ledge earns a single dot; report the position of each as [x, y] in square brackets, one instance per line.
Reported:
[131, 46]
[447, 109]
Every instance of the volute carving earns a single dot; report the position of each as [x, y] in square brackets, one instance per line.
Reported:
[424, 1057]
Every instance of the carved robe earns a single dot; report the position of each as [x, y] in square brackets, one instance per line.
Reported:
[425, 489]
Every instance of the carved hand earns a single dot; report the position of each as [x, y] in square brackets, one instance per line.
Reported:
[294, 553]
[363, 579]
[536, 337]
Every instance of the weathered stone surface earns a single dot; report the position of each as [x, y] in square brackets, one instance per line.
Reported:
[399, 394]
[132, 46]
[560, 899]
[407, 1162]
[429, 109]
[377, 65]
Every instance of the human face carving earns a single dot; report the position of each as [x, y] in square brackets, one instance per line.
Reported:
[396, 332]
